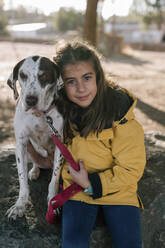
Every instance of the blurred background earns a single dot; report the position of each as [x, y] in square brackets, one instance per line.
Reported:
[134, 21]
[130, 35]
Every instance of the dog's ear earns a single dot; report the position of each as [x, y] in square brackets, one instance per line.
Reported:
[13, 79]
[56, 69]
[60, 82]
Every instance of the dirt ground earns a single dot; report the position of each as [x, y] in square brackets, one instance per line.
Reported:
[141, 72]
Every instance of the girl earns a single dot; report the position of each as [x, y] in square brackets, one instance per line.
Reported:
[108, 143]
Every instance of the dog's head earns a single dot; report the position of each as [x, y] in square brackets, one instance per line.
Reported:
[39, 79]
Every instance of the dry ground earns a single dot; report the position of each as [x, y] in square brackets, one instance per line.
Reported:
[142, 72]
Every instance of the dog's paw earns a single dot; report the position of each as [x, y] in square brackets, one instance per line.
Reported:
[15, 211]
[51, 192]
[34, 173]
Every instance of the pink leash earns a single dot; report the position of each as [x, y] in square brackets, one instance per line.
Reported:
[57, 201]
[65, 152]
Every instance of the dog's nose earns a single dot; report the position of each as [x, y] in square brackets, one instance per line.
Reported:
[31, 101]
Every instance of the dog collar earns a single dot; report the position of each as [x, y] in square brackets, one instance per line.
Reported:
[39, 113]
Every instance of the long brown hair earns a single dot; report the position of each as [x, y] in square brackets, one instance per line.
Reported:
[101, 111]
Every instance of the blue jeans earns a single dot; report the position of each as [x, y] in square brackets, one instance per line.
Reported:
[78, 220]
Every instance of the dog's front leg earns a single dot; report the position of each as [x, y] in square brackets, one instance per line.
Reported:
[18, 208]
[54, 183]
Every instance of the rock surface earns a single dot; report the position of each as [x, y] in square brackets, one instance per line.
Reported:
[152, 191]
[32, 229]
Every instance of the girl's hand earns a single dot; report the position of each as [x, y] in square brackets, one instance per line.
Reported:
[80, 177]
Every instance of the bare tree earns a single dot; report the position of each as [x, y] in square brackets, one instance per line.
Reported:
[90, 25]
[151, 11]
[156, 15]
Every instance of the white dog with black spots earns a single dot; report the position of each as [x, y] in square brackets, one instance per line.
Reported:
[40, 80]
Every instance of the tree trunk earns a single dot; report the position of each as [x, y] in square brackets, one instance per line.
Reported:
[89, 33]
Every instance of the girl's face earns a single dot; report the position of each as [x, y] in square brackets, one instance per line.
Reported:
[80, 83]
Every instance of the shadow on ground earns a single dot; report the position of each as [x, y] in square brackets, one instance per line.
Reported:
[153, 113]
[7, 109]
[127, 59]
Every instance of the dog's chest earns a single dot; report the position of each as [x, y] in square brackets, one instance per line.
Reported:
[29, 126]
[40, 132]
[34, 128]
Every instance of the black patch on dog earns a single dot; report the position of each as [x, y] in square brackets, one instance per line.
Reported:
[16, 69]
[23, 76]
[50, 72]
[35, 58]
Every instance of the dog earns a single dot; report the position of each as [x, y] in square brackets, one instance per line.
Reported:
[39, 80]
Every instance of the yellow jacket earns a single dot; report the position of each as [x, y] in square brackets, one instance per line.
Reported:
[117, 156]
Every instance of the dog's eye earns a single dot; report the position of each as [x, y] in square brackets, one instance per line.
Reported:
[42, 77]
[23, 76]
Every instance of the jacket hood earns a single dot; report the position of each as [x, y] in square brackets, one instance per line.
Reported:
[129, 114]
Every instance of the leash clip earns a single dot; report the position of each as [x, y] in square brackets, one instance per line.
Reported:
[50, 123]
